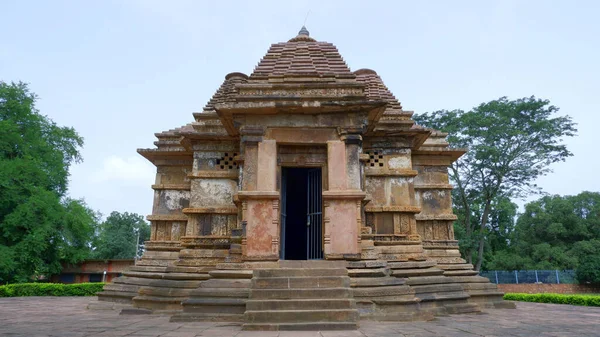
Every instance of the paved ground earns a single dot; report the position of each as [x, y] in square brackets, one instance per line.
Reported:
[68, 316]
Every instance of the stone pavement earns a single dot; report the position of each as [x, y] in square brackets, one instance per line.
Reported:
[68, 316]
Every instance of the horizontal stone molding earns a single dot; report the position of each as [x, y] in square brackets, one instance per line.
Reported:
[376, 172]
[448, 217]
[271, 257]
[244, 195]
[433, 187]
[167, 217]
[344, 194]
[208, 241]
[223, 174]
[185, 187]
[403, 209]
[212, 210]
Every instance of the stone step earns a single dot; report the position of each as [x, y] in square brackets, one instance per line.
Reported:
[235, 274]
[186, 276]
[116, 296]
[298, 316]
[462, 272]
[291, 272]
[395, 300]
[366, 264]
[426, 297]
[372, 272]
[311, 264]
[300, 293]
[121, 287]
[382, 291]
[457, 266]
[158, 282]
[225, 283]
[420, 280]
[437, 288]
[376, 281]
[214, 301]
[185, 269]
[141, 274]
[158, 302]
[307, 326]
[148, 269]
[220, 292]
[215, 305]
[431, 271]
[300, 282]
[203, 317]
[165, 292]
[300, 304]
[411, 264]
[465, 308]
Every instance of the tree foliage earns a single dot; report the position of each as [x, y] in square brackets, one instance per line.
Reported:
[39, 227]
[556, 232]
[118, 234]
[511, 144]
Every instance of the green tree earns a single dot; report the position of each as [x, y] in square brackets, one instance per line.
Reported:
[118, 234]
[558, 232]
[511, 144]
[588, 255]
[39, 227]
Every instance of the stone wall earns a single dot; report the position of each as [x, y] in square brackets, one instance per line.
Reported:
[532, 288]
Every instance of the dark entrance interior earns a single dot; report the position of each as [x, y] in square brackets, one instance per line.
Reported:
[301, 216]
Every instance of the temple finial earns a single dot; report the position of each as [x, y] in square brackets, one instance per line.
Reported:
[304, 31]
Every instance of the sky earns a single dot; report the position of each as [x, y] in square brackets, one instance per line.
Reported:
[119, 71]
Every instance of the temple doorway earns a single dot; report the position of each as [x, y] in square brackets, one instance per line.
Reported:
[301, 214]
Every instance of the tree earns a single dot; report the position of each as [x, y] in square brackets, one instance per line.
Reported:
[556, 232]
[511, 144]
[118, 234]
[588, 268]
[39, 227]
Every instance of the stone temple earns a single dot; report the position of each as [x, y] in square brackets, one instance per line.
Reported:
[302, 197]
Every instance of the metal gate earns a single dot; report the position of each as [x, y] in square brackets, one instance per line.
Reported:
[314, 215]
[283, 213]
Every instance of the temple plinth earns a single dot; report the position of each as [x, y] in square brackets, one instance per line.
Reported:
[301, 182]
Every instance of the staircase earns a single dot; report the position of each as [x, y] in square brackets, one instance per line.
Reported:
[301, 295]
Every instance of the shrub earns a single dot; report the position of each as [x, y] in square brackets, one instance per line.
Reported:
[585, 300]
[50, 289]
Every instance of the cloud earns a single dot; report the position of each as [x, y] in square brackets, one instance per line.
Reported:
[133, 169]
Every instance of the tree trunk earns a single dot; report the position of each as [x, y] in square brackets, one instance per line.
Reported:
[467, 221]
[483, 223]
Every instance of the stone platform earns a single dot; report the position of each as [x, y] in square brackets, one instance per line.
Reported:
[68, 316]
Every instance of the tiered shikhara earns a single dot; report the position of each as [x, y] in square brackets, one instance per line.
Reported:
[386, 198]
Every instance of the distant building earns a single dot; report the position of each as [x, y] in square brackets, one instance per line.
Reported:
[92, 271]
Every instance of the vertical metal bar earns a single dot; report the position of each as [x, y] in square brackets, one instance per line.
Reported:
[283, 212]
[309, 237]
[314, 198]
[516, 277]
[557, 279]
[496, 276]
[536, 277]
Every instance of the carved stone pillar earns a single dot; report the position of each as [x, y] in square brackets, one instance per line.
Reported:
[342, 211]
[259, 196]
